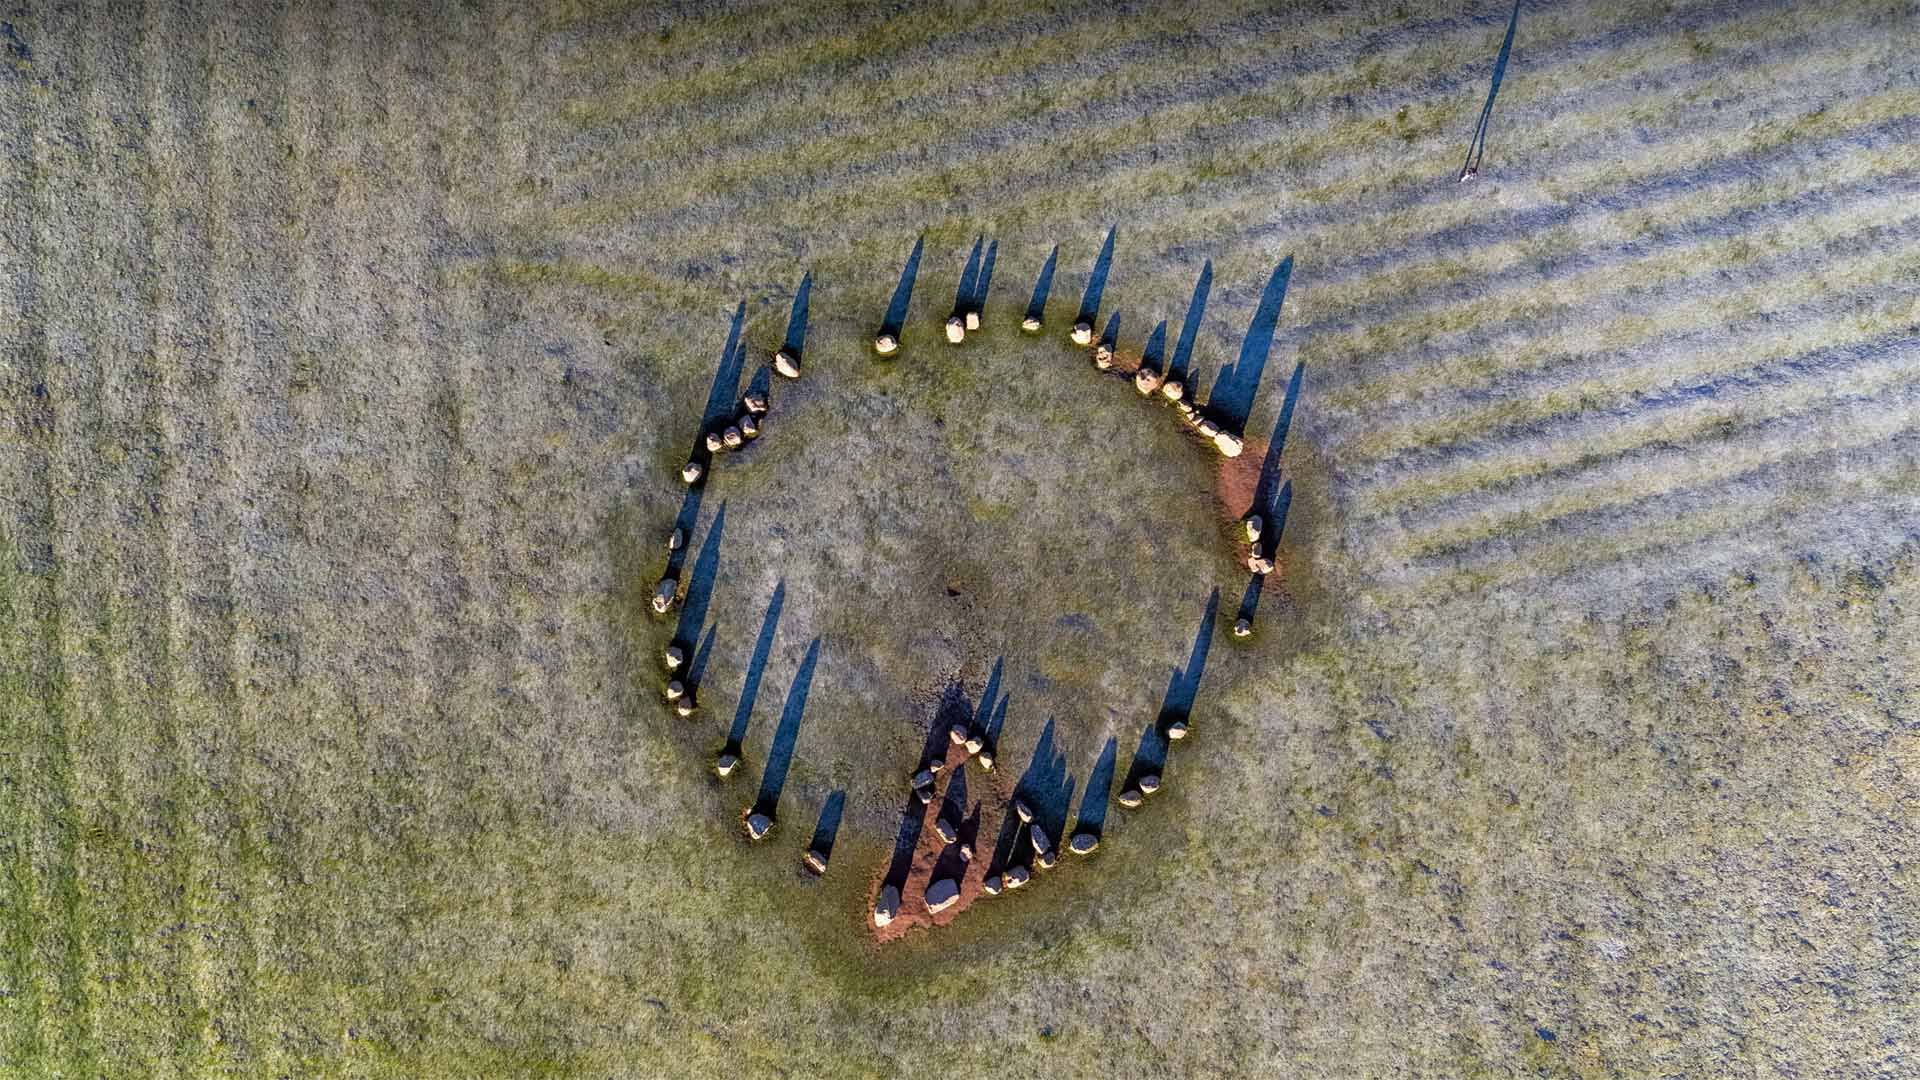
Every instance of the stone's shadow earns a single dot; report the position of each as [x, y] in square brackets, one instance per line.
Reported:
[1111, 336]
[1477, 146]
[1150, 756]
[693, 610]
[996, 724]
[963, 295]
[796, 340]
[1239, 382]
[949, 863]
[953, 802]
[1154, 353]
[683, 523]
[697, 670]
[905, 843]
[978, 300]
[780, 757]
[827, 829]
[1093, 801]
[1097, 281]
[723, 395]
[1046, 786]
[1276, 530]
[756, 667]
[896, 316]
[1183, 686]
[1043, 286]
[1265, 491]
[1190, 329]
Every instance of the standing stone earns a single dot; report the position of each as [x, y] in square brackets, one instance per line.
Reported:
[887, 906]
[675, 689]
[886, 344]
[732, 438]
[1017, 876]
[1045, 859]
[1149, 783]
[714, 443]
[691, 472]
[1082, 332]
[664, 594]
[1083, 843]
[676, 655]
[1172, 389]
[974, 744]
[758, 826]
[749, 427]
[941, 895]
[986, 759]
[1129, 798]
[676, 539]
[958, 733]
[956, 330]
[1146, 380]
[1103, 356]
[726, 763]
[1260, 564]
[816, 861]
[1228, 443]
[1031, 324]
[1253, 525]
[1024, 811]
[1177, 730]
[1242, 627]
[1041, 841]
[923, 778]
[786, 363]
[966, 852]
[948, 831]
[973, 321]
[685, 706]
[992, 885]
[924, 794]
[755, 404]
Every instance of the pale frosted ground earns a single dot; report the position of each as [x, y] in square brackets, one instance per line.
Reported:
[351, 349]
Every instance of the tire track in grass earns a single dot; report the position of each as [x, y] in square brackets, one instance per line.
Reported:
[180, 332]
[1567, 393]
[1774, 442]
[28, 676]
[132, 1009]
[1537, 462]
[65, 928]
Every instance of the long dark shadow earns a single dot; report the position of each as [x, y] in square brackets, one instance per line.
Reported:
[774, 780]
[761, 385]
[1265, 490]
[683, 524]
[1477, 147]
[1150, 756]
[693, 610]
[1093, 801]
[827, 829]
[1037, 307]
[697, 670]
[896, 316]
[756, 666]
[983, 713]
[1097, 281]
[978, 301]
[963, 295]
[997, 723]
[725, 390]
[1186, 684]
[1111, 337]
[1276, 528]
[1046, 786]
[1190, 329]
[796, 339]
[905, 842]
[1233, 394]
[1153, 353]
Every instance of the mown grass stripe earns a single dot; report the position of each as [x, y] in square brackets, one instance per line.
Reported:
[1571, 397]
[1713, 457]
[1536, 461]
[1240, 107]
[1799, 506]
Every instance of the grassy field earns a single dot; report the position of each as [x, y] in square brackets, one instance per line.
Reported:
[352, 349]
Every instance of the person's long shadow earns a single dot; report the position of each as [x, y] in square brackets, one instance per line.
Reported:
[693, 610]
[1180, 366]
[1267, 488]
[827, 829]
[1477, 146]
[796, 340]
[1183, 686]
[1097, 281]
[963, 295]
[1276, 515]
[1234, 391]
[780, 757]
[896, 316]
[1043, 285]
[756, 667]
[1093, 801]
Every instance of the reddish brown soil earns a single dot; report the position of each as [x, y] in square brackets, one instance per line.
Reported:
[996, 793]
